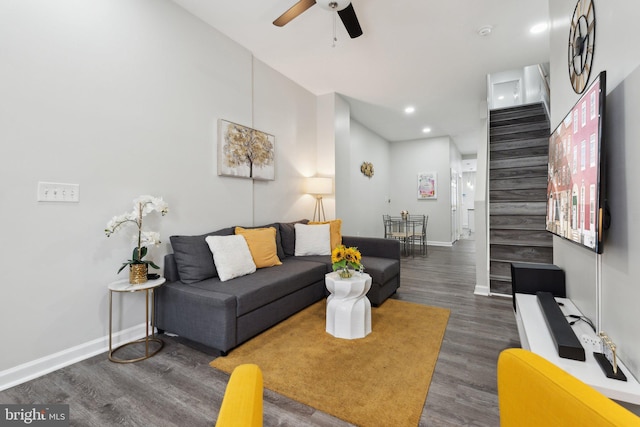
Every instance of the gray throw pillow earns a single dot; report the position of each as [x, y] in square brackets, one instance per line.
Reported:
[193, 256]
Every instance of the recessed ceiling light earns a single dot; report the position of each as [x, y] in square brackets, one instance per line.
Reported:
[410, 109]
[539, 28]
[426, 130]
[501, 97]
[485, 31]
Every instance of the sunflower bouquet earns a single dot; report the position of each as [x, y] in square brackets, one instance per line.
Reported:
[345, 260]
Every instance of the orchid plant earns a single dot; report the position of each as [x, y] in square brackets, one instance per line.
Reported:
[142, 206]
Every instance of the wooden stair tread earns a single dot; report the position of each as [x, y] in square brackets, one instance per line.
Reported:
[518, 157]
[500, 278]
[523, 244]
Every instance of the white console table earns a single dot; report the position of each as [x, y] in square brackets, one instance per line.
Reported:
[535, 336]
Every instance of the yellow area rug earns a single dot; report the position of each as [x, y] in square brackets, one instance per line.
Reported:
[379, 380]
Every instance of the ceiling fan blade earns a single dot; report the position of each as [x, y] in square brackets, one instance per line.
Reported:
[293, 12]
[350, 21]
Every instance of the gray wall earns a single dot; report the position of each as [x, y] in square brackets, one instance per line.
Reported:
[360, 201]
[408, 158]
[616, 296]
[362, 213]
[123, 98]
[482, 214]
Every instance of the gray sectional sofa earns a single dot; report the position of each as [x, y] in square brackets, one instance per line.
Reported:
[196, 305]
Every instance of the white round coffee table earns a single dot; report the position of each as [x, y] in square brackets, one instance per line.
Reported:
[348, 308]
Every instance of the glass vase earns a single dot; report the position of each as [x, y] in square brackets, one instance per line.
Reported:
[345, 273]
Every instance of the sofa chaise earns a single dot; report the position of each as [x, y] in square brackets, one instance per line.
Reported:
[197, 305]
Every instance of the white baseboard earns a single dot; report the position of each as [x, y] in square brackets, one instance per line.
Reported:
[482, 290]
[444, 244]
[36, 368]
[498, 294]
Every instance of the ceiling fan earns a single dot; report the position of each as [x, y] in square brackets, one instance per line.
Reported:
[343, 7]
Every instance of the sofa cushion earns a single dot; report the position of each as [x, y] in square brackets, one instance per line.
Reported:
[288, 235]
[381, 270]
[334, 229]
[268, 284]
[231, 255]
[193, 256]
[262, 245]
[275, 225]
[320, 259]
[312, 240]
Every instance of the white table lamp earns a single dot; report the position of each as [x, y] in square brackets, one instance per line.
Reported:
[318, 186]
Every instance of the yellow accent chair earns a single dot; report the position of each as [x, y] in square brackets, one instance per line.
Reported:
[242, 402]
[534, 392]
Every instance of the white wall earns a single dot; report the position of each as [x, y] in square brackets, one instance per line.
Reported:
[482, 213]
[368, 196]
[455, 184]
[408, 158]
[361, 201]
[327, 124]
[122, 97]
[468, 198]
[342, 146]
[616, 52]
[284, 198]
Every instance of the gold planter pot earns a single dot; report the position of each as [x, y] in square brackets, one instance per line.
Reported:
[137, 274]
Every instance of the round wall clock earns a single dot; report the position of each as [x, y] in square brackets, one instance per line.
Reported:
[582, 39]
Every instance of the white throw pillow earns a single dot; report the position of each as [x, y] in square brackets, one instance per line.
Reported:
[231, 256]
[312, 239]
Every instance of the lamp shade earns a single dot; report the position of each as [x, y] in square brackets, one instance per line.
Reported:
[319, 185]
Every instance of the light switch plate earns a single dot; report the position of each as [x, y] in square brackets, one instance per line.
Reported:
[58, 192]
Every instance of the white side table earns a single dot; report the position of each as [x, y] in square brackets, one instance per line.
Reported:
[348, 308]
[148, 288]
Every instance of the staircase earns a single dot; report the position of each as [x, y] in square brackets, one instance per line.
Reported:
[518, 151]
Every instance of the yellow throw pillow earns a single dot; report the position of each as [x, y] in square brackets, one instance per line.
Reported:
[262, 245]
[334, 230]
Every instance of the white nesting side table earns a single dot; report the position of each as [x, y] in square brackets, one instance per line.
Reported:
[348, 308]
[148, 287]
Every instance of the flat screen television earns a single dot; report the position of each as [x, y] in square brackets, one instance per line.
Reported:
[575, 188]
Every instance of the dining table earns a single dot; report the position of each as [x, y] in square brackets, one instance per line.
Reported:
[404, 229]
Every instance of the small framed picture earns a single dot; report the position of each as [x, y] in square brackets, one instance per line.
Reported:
[427, 185]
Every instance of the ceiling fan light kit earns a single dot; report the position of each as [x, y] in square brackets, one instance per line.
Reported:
[333, 5]
[343, 8]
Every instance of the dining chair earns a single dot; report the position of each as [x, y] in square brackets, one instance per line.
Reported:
[394, 228]
[386, 221]
[418, 232]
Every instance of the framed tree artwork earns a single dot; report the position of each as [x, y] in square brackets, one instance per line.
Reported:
[427, 185]
[245, 152]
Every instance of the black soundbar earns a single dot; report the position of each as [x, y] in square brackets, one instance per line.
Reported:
[566, 341]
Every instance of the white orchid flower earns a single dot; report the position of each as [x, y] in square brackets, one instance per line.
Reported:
[148, 238]
[142, 206]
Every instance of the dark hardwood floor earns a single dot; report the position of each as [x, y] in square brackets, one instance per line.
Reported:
[177, 386]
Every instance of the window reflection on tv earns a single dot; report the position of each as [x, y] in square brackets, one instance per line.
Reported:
[575, 199]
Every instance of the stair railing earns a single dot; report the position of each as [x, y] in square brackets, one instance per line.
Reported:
[547, 89]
